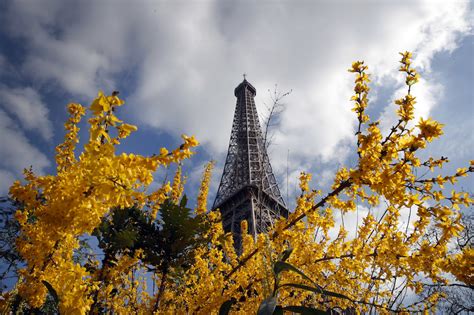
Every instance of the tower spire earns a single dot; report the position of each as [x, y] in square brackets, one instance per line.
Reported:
[248, 189]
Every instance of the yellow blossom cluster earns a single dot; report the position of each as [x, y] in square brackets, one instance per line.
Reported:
[304, 181]
[201, 207]
[58, 209]
[371, 271]
[386, 258]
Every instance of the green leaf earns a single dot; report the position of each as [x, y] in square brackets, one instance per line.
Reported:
[51, 291]
[268, 306]
[317, 289]
[280, 266]
[226, 306]
[304, 310]
[286, 254]
[125, 239]
[184, 201]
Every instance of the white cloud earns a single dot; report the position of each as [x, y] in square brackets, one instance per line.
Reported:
[56, 54]
[75, 68]
[427, 93]
[26, 105]
[188, 88]
[186, 58]
[6, 179]
[17, 152]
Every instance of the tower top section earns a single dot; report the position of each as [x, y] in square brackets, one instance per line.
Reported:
[245, 85]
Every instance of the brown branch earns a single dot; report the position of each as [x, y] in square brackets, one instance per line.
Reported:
[334, 257]
[392, 130]
[164, 274]
[341, 187]
[460, 285]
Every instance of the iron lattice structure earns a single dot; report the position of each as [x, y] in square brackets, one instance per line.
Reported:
[248, 189]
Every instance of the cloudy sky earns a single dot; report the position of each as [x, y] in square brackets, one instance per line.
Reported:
[177, 63]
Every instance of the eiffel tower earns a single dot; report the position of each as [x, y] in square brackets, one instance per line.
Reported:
[248, 189]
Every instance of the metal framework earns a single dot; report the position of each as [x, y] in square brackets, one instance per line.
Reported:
[248, 189]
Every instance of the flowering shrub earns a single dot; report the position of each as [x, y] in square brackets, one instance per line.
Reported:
[373, 270]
